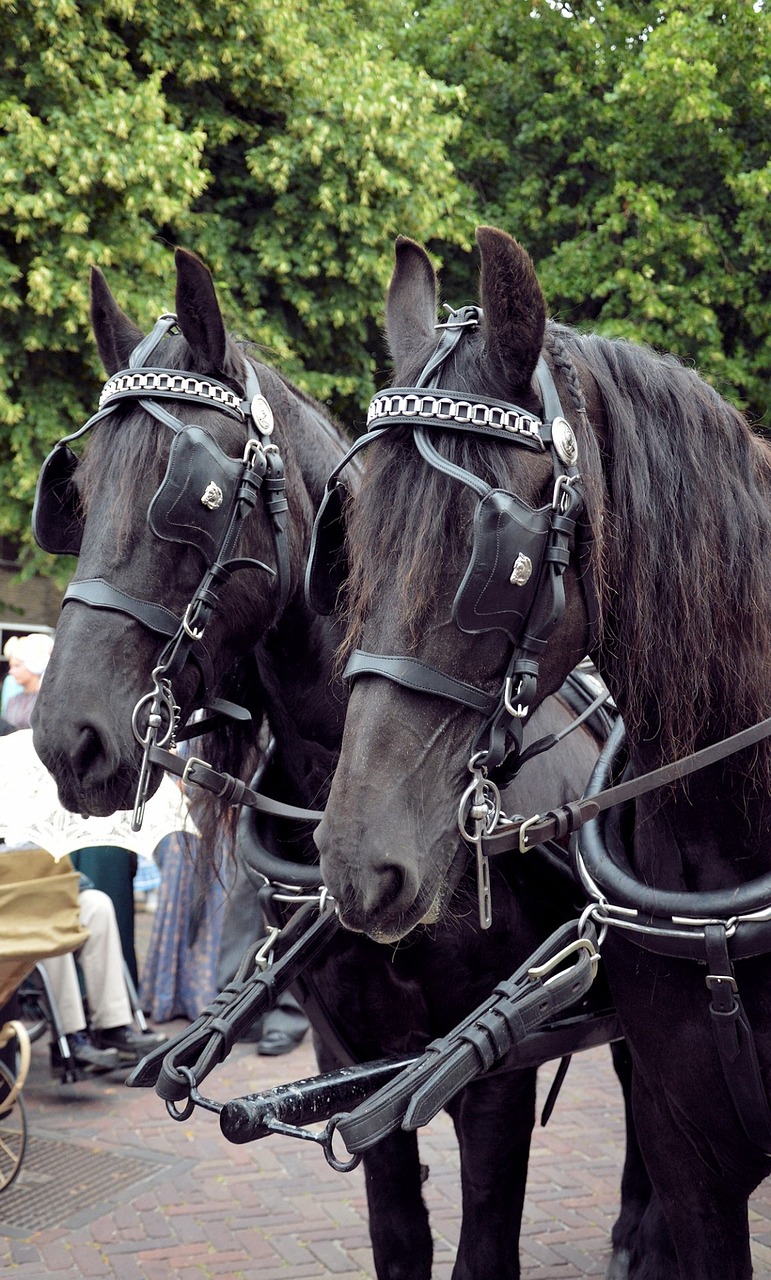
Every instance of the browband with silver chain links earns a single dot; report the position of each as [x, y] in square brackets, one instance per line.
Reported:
[406, 405]
[170, 383]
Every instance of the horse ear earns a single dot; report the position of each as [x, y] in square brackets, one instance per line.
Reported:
[198, 311]
[411, 307]
[514, 308]
[116, 335]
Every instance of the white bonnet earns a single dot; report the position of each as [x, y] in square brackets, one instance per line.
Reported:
[33, 651]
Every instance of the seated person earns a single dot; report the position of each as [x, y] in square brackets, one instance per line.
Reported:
[108, 1040]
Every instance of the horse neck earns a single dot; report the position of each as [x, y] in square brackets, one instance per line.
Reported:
[680, 491]
[304, 700]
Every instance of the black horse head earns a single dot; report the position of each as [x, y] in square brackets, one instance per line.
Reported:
[388, 840]
[150, 509]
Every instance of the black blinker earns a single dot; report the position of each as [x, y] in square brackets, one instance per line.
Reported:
[501, 581]
[57, 520]
[195, 500]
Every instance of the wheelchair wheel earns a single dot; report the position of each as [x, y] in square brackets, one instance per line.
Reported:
[13, 1117]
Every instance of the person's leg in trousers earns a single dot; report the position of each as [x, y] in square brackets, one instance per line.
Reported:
[101, 962]
[64, 982]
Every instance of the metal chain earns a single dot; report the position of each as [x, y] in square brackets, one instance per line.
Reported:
[446, 408]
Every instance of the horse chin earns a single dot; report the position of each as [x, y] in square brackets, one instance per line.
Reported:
[385, 926]
[101, 799]
[96, 803]
[428, 908]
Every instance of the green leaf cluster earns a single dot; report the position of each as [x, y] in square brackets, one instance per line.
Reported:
[626, 145]
[286, 142]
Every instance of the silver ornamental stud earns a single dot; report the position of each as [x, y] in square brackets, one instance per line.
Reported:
[523, 567]
[262, 415]
[564, 441]
[212, 496]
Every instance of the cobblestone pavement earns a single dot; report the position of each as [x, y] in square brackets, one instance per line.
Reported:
[111, 1188]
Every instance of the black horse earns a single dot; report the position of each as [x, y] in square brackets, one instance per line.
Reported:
[136, 517]
[653, 504]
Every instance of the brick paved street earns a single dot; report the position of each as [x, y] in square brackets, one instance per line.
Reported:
[112, 1189]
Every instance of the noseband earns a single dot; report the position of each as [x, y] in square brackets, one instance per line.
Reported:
[514, 580]
[204, 496]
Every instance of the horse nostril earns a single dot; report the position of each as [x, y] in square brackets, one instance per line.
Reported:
[89, 751]
[384, 888]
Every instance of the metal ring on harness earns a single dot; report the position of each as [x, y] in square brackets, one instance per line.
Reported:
[340, 1166]
[154, 720]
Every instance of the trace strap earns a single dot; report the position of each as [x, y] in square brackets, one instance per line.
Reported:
[563, 821]
[195, 1051]
[521, 1005]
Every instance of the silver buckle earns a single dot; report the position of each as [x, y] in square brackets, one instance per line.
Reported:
[190, 630]
[520, 712]
[580, 944]
[523, 830]
[186, 780]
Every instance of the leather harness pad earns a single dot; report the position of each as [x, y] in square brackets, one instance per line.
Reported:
[197, 467]
[57, 524]
[506, 532]
[327, 561]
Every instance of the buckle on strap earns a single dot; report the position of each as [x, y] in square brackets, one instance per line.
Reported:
[190, 763]
[522, 710]
[580, 944]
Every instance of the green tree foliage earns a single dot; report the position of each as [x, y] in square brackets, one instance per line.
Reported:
[624, 142]
[626, 145]
[282, 141]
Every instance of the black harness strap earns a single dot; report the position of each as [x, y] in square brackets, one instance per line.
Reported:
[716, 926]
[232, 790]
[199, 1048]
[568, 818]
[735, 1041]
[100, 594]
[414, 674]
[532, 998]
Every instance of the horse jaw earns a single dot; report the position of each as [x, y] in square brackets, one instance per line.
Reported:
[81, 723]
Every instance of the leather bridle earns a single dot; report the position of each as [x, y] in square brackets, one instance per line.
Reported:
[224, 500]
[530, 581]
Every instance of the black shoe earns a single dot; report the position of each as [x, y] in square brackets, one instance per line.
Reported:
[131, 1046]
[84, 1054]
[274, 1043]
